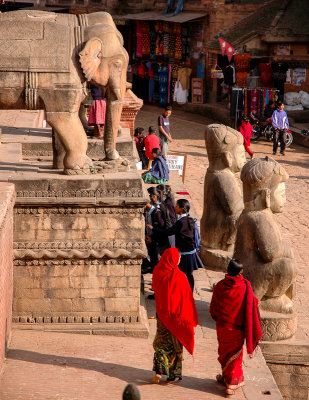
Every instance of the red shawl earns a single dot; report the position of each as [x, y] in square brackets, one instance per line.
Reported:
[175, 305]
[233, 302]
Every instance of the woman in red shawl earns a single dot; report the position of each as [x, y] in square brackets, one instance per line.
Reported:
[235, 310]
[176, 317]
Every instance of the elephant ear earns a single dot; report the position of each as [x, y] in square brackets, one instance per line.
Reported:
[90, 57]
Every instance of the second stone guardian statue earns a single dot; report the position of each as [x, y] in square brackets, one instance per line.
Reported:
[223, 201]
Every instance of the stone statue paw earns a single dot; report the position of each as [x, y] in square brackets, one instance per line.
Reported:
[282, 304]
[111, 154]
[82, 167]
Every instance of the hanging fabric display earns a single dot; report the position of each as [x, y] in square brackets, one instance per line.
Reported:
[242, 66]
[245, 101]
[160, 49]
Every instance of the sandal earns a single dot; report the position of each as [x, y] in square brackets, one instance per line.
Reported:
[173, 380]
[230, 392]
[156, 379]
[220, 379]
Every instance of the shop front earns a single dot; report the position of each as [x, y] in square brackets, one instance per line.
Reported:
[270, 61]
[167, 57]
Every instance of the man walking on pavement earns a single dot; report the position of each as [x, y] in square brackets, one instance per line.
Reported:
[164, 130]
[280, 124]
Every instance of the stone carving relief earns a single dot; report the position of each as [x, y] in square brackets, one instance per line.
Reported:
[80, 193]
[79, 249]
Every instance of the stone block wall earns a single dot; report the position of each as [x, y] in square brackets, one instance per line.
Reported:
[292, 380]
[7, 199]
[288, 361]
[76, 291]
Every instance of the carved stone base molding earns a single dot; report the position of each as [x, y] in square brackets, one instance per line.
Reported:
[215, 259]
[278, 326]
[127, 325]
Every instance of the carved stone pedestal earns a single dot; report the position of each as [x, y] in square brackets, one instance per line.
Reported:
[132, 105]
[78, 248]
[215, 259]
[278, 326]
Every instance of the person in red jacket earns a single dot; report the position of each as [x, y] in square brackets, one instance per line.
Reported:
[151, 142]
[245, 128]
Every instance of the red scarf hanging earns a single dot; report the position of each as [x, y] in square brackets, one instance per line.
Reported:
[234, 303]
[175, 305]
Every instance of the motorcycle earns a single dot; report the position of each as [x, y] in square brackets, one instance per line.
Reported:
[265, 129]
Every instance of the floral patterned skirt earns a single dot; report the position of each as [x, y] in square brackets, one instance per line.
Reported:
[168, 354]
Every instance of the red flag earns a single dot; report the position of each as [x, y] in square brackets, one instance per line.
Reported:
[223, 45]
[226, 48]
[230, 51]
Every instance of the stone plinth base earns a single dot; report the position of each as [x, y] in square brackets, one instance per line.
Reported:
[215, 260]
[129, 325]
[288, 361]
[78, 248]
[278, 326]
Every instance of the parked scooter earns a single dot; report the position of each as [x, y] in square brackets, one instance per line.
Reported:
[265, 129]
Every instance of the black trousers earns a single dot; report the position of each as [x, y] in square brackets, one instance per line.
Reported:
[279, 136]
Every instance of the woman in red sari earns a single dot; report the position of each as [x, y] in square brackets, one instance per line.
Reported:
[235, 310]
[176, 317]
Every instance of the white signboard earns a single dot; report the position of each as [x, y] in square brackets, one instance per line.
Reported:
[177, 161]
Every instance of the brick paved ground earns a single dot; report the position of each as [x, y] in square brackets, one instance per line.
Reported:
[188, 130]
[50, 366]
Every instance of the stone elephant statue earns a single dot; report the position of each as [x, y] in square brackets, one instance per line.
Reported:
[46, 60]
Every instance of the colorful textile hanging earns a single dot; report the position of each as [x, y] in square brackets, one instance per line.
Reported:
[152, 36]
[139, 41]
[165, 39]
[242, 62]
[241, 79]
[159, 40]
[145, 39]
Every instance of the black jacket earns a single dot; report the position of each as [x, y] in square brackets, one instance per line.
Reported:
[184, 235]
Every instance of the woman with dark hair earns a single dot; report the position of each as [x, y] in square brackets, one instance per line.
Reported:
[159, 172]
[235, 310]
[184, 231]
[176, 318]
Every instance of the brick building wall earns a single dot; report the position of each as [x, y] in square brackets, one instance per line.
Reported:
[7, 199]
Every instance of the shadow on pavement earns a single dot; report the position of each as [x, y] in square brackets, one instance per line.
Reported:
[125, 373]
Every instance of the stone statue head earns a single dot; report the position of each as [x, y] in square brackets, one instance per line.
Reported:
[224, 147]
[264, 184]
